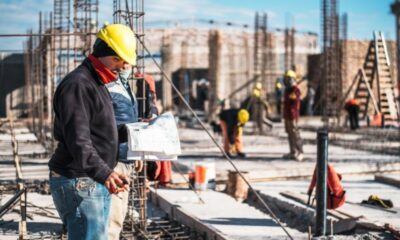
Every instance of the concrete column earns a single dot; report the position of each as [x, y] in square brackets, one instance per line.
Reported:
[214, 70]
[167, 57]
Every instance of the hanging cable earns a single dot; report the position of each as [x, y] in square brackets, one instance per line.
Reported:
[213, 139]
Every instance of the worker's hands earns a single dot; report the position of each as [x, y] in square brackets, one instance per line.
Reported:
[138, 166]
[148, 119]
[117, 182]
[145, 119]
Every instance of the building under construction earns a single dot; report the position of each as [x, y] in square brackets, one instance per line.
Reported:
[200, 69]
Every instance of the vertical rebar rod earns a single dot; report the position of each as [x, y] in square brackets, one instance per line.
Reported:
[139, 22]
[256, 47]
[264, 51]
[342, 60]
[324, 72]
[32, 82]
[292, 46]
[20, 182]
[322, 160]
[68, 37]
[51, 83]
[131, 13]
[42, 75]
[286, 48]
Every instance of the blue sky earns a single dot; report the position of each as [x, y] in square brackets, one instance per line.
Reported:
[16, 16]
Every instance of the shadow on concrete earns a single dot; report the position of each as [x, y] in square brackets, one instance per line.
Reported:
[220, 157]
[33, 227]
[242, 221]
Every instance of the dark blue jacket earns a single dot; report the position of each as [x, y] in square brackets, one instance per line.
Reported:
[125, 109]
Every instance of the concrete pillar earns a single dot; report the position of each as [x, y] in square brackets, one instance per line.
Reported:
[183, 81]
[167, 65]
[214, 70]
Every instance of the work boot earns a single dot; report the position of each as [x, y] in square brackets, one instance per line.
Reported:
[241, 154]
[299, 157]
[289, 156]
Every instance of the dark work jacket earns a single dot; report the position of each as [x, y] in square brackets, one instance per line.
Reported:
[230, 117]
[84, 126]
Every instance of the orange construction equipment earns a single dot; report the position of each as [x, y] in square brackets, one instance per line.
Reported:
[200, 177]
[165, 176]
[336, 193]
[376, 120]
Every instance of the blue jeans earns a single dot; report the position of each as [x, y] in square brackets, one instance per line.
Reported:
[83, 206]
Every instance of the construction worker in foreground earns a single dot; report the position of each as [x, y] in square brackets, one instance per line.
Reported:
[125, 108]
[291, 113]
[81, 168]
[232, 122]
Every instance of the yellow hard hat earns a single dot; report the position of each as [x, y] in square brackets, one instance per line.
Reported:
[278, 85]
[121, 39]
[258, 86]
[243, 116]
[256, 93]
[291, 74]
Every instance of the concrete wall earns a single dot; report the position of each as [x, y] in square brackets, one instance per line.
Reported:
[190, 48]
[355, 57]
[356, 51]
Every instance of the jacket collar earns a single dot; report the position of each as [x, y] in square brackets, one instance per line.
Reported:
[105, 75]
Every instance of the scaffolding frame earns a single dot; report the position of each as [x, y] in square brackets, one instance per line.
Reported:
[131, 13]
[331, 82]
[50, 54]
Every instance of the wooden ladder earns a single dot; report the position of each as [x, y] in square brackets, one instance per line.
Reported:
[374, 82]
[387, 102]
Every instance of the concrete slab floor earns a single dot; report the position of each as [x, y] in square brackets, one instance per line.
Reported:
[357, 188]
[38, 226]
[233, 219]
[264, 157]
[42, 227]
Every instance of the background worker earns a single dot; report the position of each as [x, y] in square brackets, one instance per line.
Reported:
[291, 113]
[260, 107]
[353, 108]
[81, 168]
[125, 111]
[149, 109]
[160, 170]
[232, 121]
[310, 100]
